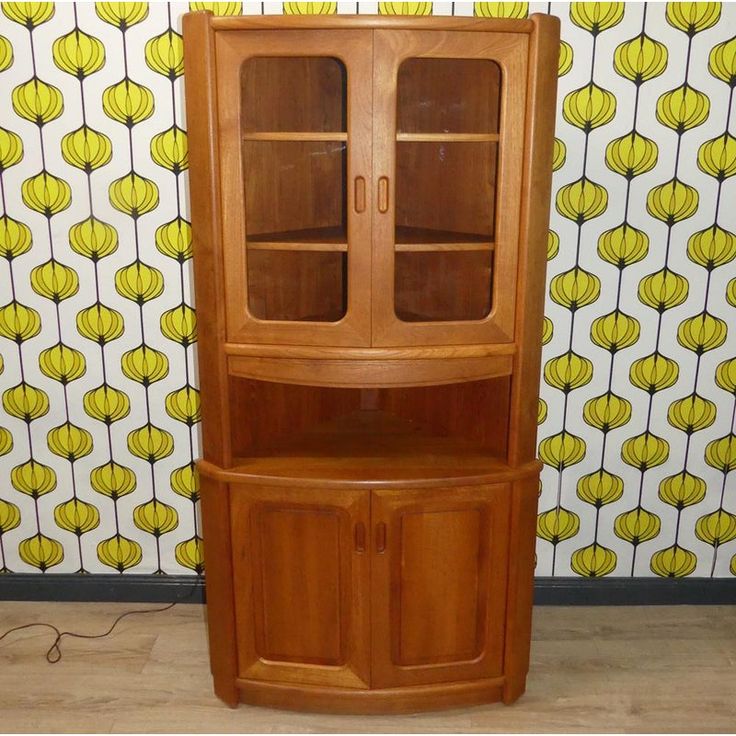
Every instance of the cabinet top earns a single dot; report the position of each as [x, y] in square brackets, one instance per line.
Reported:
[429, 23]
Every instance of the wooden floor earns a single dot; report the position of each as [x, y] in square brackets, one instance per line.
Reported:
[641, 669]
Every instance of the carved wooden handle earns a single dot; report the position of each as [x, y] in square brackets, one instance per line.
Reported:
[360, 537]
[383, 194]
[359, 194]
[380, 538]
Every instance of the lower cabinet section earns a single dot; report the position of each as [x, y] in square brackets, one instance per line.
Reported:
[369, 589]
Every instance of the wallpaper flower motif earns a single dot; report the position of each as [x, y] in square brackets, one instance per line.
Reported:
[100, 410]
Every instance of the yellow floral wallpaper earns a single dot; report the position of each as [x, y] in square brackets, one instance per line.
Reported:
[100, 409]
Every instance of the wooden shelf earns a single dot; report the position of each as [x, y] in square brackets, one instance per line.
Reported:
[315, 239]
[295, 136]
[447, 137]
[372, 448]
[408, 239]
[411, 239]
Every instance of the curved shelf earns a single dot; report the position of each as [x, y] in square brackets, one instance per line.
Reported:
[371, 449]
[426, 240]
[328, 239]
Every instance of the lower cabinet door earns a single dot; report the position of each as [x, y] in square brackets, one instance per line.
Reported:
[301, 584]
[438, 596]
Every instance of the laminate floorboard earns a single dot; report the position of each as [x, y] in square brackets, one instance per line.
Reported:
[604, 669]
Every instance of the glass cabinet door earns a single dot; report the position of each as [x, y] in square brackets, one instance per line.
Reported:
[295, 151]
[448, 135]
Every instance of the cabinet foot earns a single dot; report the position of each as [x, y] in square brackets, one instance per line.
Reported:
[513, 689]
[226, 690]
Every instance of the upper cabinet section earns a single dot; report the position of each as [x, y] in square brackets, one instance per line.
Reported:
[370, 180]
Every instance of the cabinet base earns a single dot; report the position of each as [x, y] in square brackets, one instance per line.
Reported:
[394, 700]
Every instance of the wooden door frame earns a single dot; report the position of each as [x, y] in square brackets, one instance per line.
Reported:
[349, 46]
[386, 508]
[509, 51]
[353, 507]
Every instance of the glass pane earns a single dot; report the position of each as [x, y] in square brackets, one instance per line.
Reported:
[307, 94]
[295, 213]
[301, 286]
[294, 185]
[445, 223]
[448, 96]
[443, 286]
[295, 188]
[448, 113]
[447, 186]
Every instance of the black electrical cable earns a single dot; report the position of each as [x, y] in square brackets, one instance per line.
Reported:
[53, 655]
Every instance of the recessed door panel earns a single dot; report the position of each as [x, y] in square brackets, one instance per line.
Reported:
[298, 594]
[447, 154]
[439, 584]
[440, 580]
[301, 585]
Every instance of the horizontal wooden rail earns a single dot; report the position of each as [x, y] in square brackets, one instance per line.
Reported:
[456, 23]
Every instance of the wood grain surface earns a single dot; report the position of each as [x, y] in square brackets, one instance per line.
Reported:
[604, 669]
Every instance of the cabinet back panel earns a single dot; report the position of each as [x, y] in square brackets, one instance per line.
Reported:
[271, 412]
[446, 186]
[299, 286]
[475, 410]
[444, 286]
[294, 185]
[290, 94]
[448, 96]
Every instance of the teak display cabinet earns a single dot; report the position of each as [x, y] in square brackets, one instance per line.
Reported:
[370, 203]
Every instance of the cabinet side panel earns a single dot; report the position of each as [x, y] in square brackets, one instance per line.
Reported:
[536, 189]
[219, 579]
[520, 588]
[542, 90]
[200, 73]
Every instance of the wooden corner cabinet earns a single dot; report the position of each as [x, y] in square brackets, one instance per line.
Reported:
[370, 204]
